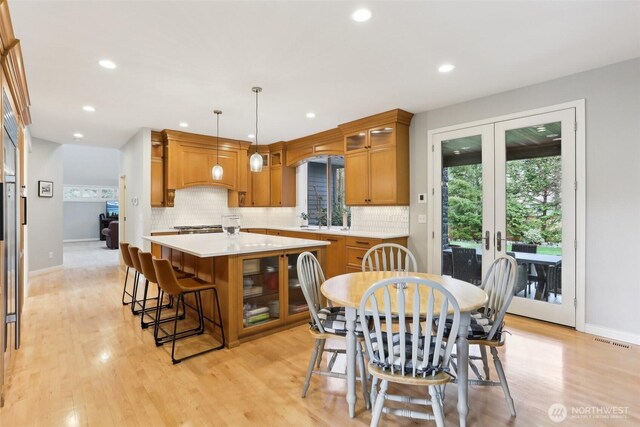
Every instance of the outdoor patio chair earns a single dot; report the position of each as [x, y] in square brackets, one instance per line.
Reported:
[466, 266]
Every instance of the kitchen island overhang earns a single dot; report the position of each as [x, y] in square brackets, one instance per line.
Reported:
[255, 275]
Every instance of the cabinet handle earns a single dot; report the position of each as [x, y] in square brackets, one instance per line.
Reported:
[358, 257]
[331, 240]
[362, 243]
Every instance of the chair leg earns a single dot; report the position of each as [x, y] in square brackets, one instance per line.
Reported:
[363, 376]
[134, 301]
[124, 289]
[312, 362]
[175, 333]
[320, 354]
[215, 294]
[485, 361]
[156, 324]
[503, 381]
[374, 390]
[436, 405]
[377, 410]
[143, 325]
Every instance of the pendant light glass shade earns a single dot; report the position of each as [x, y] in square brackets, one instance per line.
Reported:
[217, 171]
[255, 161]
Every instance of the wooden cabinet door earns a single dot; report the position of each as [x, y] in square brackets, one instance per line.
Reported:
[261, 188]
[383, 176]
[357, 178]
[157, 182]
[276, 186]
[195, 168]
[335, 263]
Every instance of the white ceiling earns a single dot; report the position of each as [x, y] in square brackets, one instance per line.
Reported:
[178, 60]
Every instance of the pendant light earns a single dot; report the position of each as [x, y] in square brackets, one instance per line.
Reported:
[217, 171]
[255, 162]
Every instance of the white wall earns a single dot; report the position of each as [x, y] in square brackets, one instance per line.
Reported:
[612, 96]
[83, 165]
[44, 214]
[135, 165]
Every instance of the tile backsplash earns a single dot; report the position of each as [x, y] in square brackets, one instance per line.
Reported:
[207, 205]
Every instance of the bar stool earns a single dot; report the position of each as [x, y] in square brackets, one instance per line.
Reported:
[126, 257]
[170, 284]
[149, 273]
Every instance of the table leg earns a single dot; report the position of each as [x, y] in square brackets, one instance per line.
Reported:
[462, 351]
[351, 359]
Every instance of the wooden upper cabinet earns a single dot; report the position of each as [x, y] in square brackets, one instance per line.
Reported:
[190, 158]
[283, 178]
[377, 159]
[356, 178]
[327, 143]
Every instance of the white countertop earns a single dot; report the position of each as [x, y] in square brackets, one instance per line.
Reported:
[218, 244]
[314, 230]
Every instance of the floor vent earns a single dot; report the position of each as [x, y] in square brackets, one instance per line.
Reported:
[617, 344]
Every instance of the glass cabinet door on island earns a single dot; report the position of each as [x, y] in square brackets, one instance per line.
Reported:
[296, 301]
[260, 290]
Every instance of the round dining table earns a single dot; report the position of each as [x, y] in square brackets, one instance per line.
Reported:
[347, 290]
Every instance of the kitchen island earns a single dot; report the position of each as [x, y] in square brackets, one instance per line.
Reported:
[255, 275]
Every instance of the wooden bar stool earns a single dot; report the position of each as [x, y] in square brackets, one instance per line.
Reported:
[170, 284]
[126, 257]
[149, 273]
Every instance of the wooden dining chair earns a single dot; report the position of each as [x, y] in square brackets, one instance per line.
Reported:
[410, 356]
[487, 323]
[389, 257]
[326, 323]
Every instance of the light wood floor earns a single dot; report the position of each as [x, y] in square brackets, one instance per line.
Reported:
[85, 361]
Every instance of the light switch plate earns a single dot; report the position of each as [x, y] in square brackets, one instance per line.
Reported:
[422, 197]
[422, 219]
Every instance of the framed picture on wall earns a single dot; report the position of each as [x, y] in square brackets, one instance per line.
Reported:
[45, 189]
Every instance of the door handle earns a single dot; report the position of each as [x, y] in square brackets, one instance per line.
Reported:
[486, 239]
[499, 241]
[24, 200]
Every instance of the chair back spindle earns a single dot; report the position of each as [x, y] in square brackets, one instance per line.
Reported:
[389, 257]
[311, 277]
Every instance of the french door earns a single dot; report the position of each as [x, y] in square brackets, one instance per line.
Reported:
[509, 188]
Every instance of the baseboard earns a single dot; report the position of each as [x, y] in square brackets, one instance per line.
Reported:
[45, 270]
[614, 334]
[80, 240]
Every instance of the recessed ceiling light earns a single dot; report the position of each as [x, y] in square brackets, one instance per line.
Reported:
[311, 115]
[78, 135]
[106, 63]
[361, 15]
[183, 124]
[446, 68]
[89, 108]
[251, 136]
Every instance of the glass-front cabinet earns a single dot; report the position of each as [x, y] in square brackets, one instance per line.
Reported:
[260, 290]
[271, 294]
